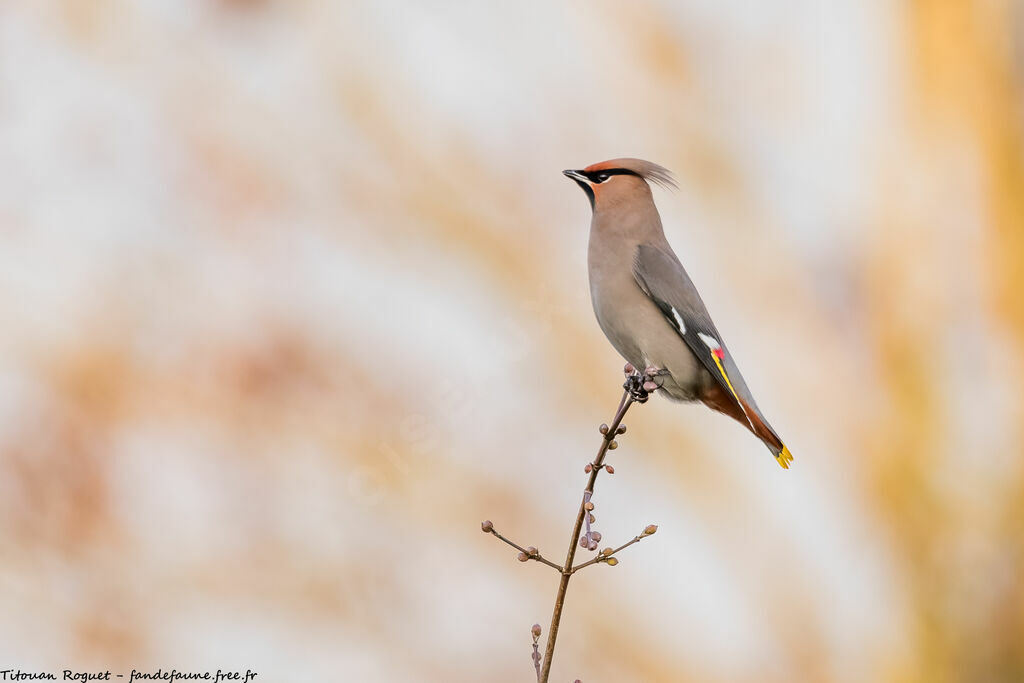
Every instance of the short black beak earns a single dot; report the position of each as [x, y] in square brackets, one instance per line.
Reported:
[584, 182]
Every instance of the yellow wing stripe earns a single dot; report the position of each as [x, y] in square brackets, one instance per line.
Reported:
[727, 381]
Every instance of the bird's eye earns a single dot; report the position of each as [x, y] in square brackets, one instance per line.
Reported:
[603, 177]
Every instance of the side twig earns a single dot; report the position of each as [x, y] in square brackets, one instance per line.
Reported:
[525, 554]
[607, 554]
[536, 648]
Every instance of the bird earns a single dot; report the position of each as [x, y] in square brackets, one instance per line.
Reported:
[647, 305]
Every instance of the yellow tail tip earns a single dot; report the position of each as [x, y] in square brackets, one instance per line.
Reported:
[784, 458]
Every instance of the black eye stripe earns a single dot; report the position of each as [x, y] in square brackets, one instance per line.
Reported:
[603, 175]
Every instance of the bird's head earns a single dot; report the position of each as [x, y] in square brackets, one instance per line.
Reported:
[618, 180]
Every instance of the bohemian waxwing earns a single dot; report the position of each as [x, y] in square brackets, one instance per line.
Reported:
[647, 305]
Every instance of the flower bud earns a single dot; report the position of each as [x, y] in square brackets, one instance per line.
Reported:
[612, 445]
[603, 428]
[650, 529]
[592, 545]
[535, 630]
[588, 506]
[621, 429]
[591, 518]
[607, 551]
[628, 369]
[522, 557]
[486, 526]
[531, 551]
[609, 469]
[588, 468]
[650, 386]
[611, 561]
[596, 535]
[584, 542]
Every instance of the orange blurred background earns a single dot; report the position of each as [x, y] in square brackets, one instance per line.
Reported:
[293, 295]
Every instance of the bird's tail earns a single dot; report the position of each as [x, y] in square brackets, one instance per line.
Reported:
[764, 431]
[749, 416]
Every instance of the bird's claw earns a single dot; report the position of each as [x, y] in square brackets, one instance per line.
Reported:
[634, 384]
[640, 387]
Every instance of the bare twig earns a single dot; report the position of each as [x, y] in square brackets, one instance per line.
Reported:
[525, 554]
[536, 648]
[607, 554]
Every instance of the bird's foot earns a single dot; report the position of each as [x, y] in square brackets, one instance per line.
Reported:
[634, 384]
[641, 386]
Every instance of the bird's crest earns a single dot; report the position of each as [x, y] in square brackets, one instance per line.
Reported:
[647, 170]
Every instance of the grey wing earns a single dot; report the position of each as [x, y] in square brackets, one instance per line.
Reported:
[664, 280]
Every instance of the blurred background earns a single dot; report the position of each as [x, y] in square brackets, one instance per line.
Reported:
[293, 295]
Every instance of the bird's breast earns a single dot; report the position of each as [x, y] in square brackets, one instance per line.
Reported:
[638, 330]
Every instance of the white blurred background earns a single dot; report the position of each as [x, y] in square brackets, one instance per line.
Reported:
[293, 295]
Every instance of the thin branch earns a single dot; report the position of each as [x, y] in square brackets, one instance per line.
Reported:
[608, 553]
[530, 553]
[535, 630]
[637, 388]
[597, 465]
